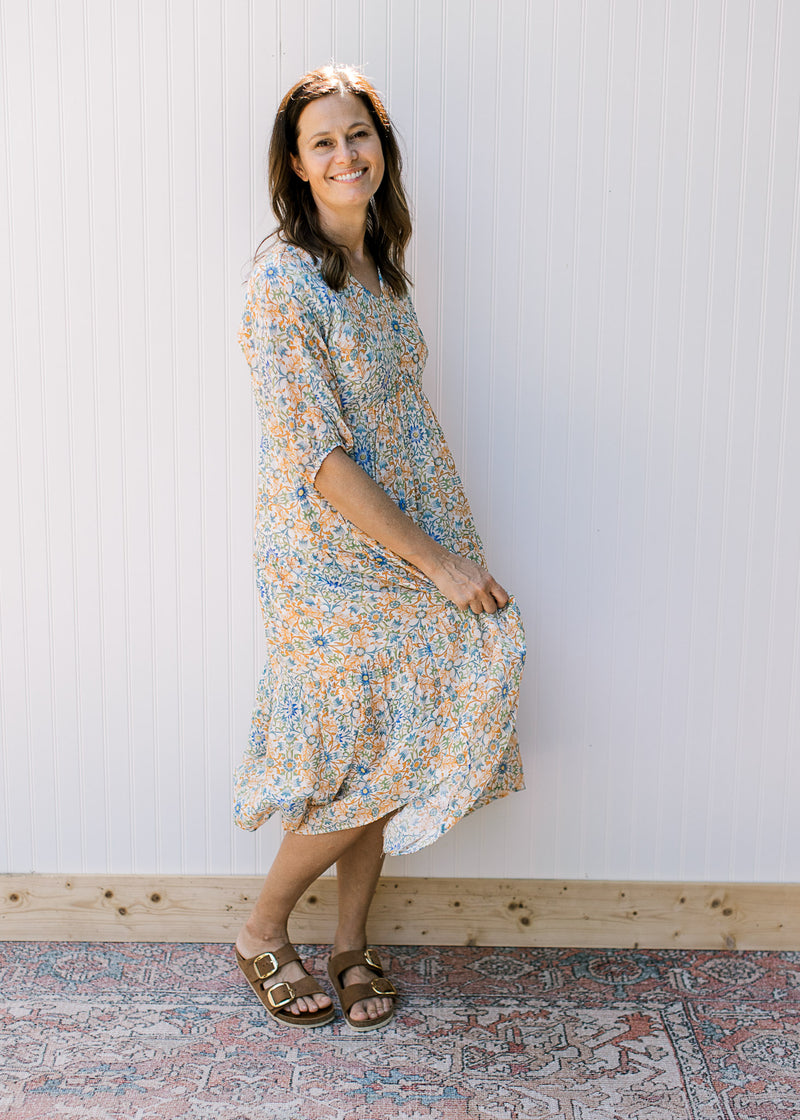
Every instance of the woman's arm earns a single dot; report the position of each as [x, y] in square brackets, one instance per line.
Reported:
[359, 498]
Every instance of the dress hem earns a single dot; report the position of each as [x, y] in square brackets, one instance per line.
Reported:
[413, 844]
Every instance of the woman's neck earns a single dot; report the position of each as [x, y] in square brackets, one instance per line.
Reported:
[348, 231]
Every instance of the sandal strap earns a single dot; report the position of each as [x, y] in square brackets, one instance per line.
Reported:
[287, 991]
[368, 957]
[380, 986]
[263, 965]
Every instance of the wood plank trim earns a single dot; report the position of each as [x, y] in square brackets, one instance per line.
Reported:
[411, 911]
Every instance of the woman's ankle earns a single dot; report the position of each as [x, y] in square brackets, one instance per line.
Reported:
[275, 936]
[347, 939]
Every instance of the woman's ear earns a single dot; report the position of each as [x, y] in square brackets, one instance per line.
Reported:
[297, 167]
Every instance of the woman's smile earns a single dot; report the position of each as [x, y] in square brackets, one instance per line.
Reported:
[349, 176]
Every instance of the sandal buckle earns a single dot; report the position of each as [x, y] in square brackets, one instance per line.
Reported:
[263, 957]
[383, 987]
[276, 1003]
[372, 959]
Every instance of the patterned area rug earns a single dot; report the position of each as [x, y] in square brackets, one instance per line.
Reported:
[161, 1032]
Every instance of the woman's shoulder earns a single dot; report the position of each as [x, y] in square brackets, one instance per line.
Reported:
[286, 269]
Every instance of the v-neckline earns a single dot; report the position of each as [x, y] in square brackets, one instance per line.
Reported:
[375, 295]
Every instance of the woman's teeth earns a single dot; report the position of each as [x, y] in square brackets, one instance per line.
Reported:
[350, 176]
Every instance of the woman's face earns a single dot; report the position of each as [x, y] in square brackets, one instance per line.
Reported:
[339, 153]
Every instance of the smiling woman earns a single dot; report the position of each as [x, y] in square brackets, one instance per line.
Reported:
[297, 146]
[339, 155]
[386, 708]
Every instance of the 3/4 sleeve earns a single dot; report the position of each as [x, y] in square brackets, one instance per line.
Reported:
[294, 386]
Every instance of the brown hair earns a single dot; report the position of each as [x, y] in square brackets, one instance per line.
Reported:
[388, 217]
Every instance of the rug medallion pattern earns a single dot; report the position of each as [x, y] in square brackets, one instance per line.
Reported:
[172, 1032]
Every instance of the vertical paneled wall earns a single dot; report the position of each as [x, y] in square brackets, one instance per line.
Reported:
[605, 262]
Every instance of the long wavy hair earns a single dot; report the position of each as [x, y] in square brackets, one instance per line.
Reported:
[388, 217]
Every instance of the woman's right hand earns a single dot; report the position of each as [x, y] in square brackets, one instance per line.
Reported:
[467, 584]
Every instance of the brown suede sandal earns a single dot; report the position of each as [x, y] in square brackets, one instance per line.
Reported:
[261, 967]
[351, 994]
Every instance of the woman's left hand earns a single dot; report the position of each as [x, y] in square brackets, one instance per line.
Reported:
[467, 584]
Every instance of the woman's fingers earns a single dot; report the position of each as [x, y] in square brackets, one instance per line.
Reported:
[482, 601]
[499, 593]
[490, 600]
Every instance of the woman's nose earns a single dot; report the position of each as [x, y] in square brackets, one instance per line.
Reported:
[346, 151]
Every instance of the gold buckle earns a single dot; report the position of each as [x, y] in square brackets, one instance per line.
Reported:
[264, 956]
[383, 987]
[275, 1004]
[372, 959]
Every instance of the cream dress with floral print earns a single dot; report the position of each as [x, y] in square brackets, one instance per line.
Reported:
[378, 693]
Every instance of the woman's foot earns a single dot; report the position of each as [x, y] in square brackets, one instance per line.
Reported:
[363, 1010]
[250, 944]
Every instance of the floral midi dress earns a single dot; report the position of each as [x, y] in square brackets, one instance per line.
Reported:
[378, 693]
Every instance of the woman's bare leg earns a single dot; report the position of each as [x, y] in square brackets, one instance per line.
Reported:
[358, 869]
[300, 860]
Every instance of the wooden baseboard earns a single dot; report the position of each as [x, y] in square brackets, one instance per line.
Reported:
[536, 912]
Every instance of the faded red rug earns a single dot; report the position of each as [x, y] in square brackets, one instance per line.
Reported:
[161, 1032]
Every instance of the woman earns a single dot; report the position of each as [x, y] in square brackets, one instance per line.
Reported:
[386, 708]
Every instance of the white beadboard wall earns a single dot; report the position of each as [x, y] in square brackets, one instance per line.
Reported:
[606, 270]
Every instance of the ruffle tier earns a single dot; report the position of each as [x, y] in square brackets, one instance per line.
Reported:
[424, 726]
